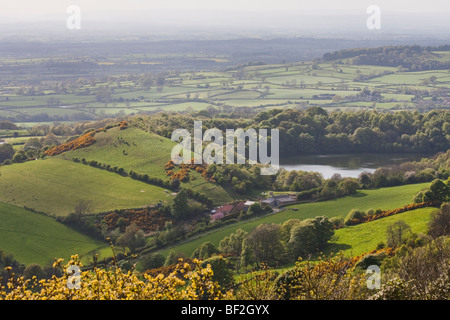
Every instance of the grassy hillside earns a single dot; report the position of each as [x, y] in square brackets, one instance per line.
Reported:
[54, 186]
[36, 238]
[386, 198]
[145, 153]
[356, 240]
[131, 149]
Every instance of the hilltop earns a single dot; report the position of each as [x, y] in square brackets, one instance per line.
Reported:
[410, 58]
[55, 186]
[145, 153]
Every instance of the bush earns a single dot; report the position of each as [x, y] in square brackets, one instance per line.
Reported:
[398, 233]
[308, 194]
[152, 261]
[185, 281]
[353, 216]
[417, 273]
[329, 279]
[263, 245]
[133, 238]
[310, 236]
[371, 259]
[439, 224]
[204, 251]
[337, 222]
[349, 186]
[34, 270]
[232, 244]
[222, 273]
[173, 258]
[6, 152]
[255, 210]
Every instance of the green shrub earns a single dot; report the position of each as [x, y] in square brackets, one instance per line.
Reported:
[152, 261]
[204, 251]
[354, 214]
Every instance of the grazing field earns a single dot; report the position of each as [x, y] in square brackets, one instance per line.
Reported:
[331, 85]
[145, 153]
[356, 240]
[131, 149]
[385, 198]
[36, 238]
[55, 186]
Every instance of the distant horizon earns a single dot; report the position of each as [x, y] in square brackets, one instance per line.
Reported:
[265, 18]
[27, 7]
[126, 12]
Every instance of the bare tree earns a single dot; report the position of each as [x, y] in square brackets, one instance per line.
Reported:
[440, 222]
[82, 207]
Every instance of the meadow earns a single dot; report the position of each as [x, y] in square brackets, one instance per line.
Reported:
[385, 198]
[55, 186]
[145, 153]
[356, 240]
[328, 84]
[37, 238]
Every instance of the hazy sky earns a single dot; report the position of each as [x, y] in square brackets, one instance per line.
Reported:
[25, 8]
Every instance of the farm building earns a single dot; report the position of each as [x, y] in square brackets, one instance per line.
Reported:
[276, 201]
[222, 211]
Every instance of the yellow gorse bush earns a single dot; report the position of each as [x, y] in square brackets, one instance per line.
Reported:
[185, 283]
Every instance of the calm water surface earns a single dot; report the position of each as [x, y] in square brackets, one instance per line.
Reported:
[348, 165]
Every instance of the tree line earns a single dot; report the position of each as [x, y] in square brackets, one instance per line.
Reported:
[413, 58]
[315, 131]
[415, 265]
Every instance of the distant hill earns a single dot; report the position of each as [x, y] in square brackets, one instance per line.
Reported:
[413, 58]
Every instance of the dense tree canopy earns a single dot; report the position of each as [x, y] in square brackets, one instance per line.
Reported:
[263, 245]
[314, 131]
[309, 236]
[413, 57]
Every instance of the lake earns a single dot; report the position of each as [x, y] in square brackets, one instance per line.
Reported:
[347, 165]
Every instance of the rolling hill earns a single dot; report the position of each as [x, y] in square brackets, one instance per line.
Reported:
[385, 198]
[356, 240]
[54, 186]
[36, 238]
[144, 153]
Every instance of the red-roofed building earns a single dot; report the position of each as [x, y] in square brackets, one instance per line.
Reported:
[240, 206]
[226, 209]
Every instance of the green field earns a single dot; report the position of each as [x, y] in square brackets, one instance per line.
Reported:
[356, 240]
[145, 153]
[385, 198]
[54, 186]
[262, 86]
[131, 149]
[36, 238]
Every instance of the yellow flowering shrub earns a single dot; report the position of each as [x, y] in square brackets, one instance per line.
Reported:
[114, 284]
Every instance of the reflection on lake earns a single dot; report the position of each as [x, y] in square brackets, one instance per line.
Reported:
[347, 165]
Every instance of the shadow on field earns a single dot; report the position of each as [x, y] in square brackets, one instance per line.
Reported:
[359, 194]
[336, 247]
